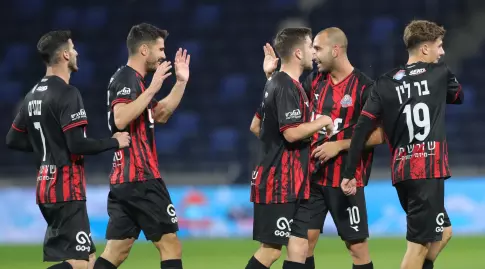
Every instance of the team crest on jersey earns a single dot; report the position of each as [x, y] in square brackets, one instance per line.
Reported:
[399, 75]
[346, 101]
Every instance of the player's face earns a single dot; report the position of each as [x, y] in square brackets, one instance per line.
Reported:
[435, 51]
[307, 54]
[322, 53]
[156, 54]
[72, 64]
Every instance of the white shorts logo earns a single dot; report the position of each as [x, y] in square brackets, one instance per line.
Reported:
[171, 212]
[82, 239]
[440, 220]
[283, 227]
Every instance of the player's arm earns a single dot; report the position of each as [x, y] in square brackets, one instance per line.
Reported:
[290, 117]
[78, 143]
[73, 119]
[454, 93]
[375, 138]
[166, 106]
[17, 137]
[365, 125]
[255, 127]
[127, 105]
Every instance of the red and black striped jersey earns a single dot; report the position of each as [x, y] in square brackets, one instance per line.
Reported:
[139, 161]
[48, 110]
[343, 102]
[410, 101]
[282, 171]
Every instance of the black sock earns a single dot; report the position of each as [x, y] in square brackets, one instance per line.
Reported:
[255, 264]
[428, 264]
[363, 266]
[62, 265]
[293, 265]
[310, 262]
[171, 264]
[102, 263]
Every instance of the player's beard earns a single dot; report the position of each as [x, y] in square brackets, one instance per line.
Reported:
[72, 65]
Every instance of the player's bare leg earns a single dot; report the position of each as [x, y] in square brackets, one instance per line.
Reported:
[297, 253]
[114, 254]
[170, 249]
[436, 248]
[415, 255]
[359, 251]
[92, 260]
[313, 236]
[265, 256]
[78, 264]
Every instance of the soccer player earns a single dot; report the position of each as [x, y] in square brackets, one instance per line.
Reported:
[339, 90]
[410, 101]
[280, 181]
[52, 124]
[138, 199]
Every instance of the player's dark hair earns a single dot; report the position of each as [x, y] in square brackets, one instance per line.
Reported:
[419, 31]
[287, 39]
[50, 44]
[143, 33]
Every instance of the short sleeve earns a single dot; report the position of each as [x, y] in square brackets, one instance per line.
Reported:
[373, 106]
[71, 110]
[123, 92]
[454, 93]
[20, 122]
[288, 106]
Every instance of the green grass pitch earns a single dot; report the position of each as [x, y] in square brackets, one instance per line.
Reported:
[462, 252]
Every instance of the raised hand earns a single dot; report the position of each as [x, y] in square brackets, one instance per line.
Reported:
[270, 62]
[182, 62]
[160, 75]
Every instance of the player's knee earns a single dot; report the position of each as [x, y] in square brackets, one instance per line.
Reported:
[78, 264]
[272, 252]
[170, 246]
[92, 260]
[358, 249]
[117, 251]
[313, 236]
[447, 234]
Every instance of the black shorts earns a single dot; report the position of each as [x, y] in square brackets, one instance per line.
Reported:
[68, 236]
[140, 206]
[348, 212]
[274, 223]
[423, 202]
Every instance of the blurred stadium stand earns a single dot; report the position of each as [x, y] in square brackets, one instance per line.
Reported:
[207, 141]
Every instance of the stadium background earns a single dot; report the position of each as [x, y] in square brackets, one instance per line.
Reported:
[206, 148]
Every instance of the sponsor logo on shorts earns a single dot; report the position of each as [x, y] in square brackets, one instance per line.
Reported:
[171, 212]
[283, 228]
[440, 220]
[84, 243]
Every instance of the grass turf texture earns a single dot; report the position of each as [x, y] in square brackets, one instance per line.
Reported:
[462, 252]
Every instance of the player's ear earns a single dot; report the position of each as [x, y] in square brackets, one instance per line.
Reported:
[425, 49]
[299, 54]
[335, 51]
[144, 49]
[65, 54]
